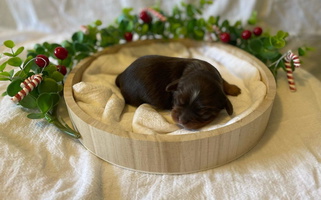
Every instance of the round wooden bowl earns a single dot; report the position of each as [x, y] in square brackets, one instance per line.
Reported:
[170, 154]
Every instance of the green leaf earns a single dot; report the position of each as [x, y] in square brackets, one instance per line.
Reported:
[9, 43]
[31, 53]
[15, 61]
[5, 76]
[8, 54]
[255, 45]
[51, 48]
[190, 10]
[44, 102]
[55, 99]
[78, 36]
[238, 24]
[11, 73]
[21, 74]
[57, 76]
[35, 115]
[225, 24]
[130, 26]
[19, 51]
[28, 65]
[60, 87]
[191, 25]
[301, 51]
[48, 85]
[198, 34]
[46, 45]
[3, 66]
[253, 18]
[14, 87]
[158, 27]
[277, 42]
[267, 43]
[144, 29]
[201, 22]
[29, 101]
[39, 49]
[68, 62]
[81, 47]
[98, 22]
[81, 56]
[268, 54]
[212, 20]
[126, 11]
[282, 34]
[50, 69]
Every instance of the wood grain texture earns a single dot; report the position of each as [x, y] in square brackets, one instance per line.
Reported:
[170, 154]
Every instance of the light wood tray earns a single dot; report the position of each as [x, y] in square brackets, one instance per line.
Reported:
[170, 154]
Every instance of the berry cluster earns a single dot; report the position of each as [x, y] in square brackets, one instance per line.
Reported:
[60, 53]
[146, 19]
[245, 35]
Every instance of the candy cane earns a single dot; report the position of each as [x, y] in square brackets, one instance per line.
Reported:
[216, 29]
[27, 86]
[291, 56]
[156, 14]
[26, 81]
[289, 74]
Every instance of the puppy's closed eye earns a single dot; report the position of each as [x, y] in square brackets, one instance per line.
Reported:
[205, 113]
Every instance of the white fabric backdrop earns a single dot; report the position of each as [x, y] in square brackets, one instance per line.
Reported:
[35, 19]
[38, 162]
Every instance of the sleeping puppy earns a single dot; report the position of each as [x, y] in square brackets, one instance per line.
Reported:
[193, 89]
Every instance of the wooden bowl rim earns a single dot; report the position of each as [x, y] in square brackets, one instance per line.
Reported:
[266, 77]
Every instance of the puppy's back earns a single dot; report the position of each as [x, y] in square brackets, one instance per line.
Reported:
[145, 80]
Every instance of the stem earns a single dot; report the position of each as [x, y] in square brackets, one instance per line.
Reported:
[64, 128]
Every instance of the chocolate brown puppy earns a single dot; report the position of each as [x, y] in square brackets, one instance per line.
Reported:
[192, 89]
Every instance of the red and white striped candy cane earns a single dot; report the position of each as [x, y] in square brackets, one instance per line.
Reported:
[216, 29]
[289, 73]
[291, 56]
[156, 14]
[27, 86]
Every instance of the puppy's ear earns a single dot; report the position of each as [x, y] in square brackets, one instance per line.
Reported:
[229, 107]
[172, 86]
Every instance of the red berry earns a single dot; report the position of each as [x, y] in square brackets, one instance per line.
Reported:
[246, 34]
[62, 69]
[225, 37]
[42, 60]
[128, 36]
[145, 17]
[257, 31]
[61, 53]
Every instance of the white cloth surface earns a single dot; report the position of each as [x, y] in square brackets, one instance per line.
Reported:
[98, 95]
[38, 162]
